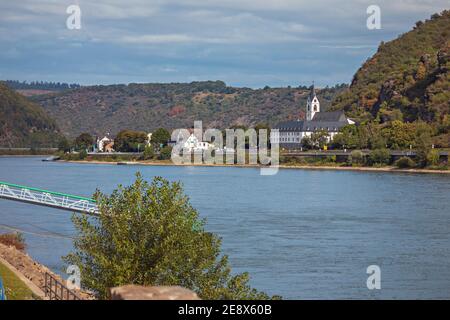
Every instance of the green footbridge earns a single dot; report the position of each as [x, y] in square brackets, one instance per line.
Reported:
[35, 196]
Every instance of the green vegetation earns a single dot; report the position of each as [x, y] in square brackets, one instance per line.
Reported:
[15, 289]
[405, 162]
[160, 138]
[130, 141]
[39, 85]
[407, 80]
[147, 107]
[83, 142]
[23, 123]
[149, 234]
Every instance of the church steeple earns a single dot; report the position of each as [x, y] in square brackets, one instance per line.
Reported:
[313, 104]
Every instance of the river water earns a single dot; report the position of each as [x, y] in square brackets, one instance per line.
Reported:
[302, 234]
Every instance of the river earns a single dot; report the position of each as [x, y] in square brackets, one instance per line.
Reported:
[302, 234]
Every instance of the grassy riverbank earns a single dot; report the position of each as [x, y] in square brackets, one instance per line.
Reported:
[15, 289]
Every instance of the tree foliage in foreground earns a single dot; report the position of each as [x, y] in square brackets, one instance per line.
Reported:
[149, 234]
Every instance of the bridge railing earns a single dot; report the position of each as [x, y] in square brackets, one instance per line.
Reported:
[47, 198]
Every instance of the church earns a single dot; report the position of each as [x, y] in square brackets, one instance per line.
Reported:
[291, 133]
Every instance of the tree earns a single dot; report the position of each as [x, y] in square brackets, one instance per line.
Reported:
[160, 137]
[149, 234]
[405, 162]
[64, 145]
[165, 153]
[433, 157]
[307, 143]
[130, 141]
[84, 141]
[149, 152]
[380, 156]
[356, 157]
[319, 138]
[399, 134]
[422, 143]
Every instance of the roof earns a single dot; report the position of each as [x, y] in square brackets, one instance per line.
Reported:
[330, 116]
[314, 125]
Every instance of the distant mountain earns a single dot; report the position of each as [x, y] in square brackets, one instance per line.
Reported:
[109, 109]
[24, 123]
[407, 78]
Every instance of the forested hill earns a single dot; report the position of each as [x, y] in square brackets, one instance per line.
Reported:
[407, 78]
[23, 123]
[109, 109]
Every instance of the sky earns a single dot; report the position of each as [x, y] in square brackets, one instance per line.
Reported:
[251, 43]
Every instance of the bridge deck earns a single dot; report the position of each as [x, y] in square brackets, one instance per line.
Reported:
[58, 200]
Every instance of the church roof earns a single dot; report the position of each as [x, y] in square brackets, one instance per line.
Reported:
[329, 121]
[330, 116]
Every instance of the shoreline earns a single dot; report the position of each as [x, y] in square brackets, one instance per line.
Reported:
[388, 169]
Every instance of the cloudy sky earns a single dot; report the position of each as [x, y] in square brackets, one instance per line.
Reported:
[242, 42]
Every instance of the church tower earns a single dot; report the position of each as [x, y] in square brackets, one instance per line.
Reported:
[312, 105]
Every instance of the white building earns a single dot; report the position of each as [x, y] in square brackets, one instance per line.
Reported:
[102, 143]
[291, 133]
[193, 144]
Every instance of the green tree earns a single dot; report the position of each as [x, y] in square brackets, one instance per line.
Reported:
[84, 141]
[399, 135]
[130, 141]
[307, 143]
[422, 143]
[64, 145]
[356, 157]
[160, 137]
[149, 152]
[165, 153]
[380, 156]
[405, 162]
[433, 157]
[149, 234]
[319, 138]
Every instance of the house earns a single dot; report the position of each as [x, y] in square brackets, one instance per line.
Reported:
[291, 133]
[101, 143]
[193, 144]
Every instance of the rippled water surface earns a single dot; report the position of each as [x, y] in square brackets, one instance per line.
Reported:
[303, 234]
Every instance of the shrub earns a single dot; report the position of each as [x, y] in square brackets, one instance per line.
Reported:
[405, 162]
[149, 152]
[433, 157]
[13, 239]
[165, 153]
[356, 157]
[380, 156]
[82, 155]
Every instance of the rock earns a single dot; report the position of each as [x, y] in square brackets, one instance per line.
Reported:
[133, 292]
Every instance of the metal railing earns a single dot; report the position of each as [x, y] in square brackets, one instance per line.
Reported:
[47, 198]
[56, 290]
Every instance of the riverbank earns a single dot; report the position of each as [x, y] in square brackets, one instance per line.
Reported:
[30, 272]
[391, 169]
[15, 289]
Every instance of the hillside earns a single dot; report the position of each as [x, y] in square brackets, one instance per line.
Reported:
[23, 123]
[407, 78]
[102, 109]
